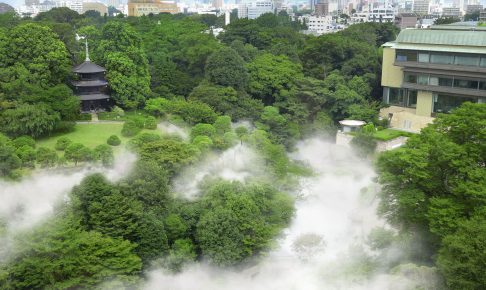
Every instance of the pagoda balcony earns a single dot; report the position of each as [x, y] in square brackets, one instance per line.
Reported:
[90, 83]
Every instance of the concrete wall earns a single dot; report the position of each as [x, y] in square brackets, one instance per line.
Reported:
[391, 75]
[406, 118]
[424, 103]
[391, 144]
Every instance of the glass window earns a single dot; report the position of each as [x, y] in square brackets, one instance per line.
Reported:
[423, 79]
[406, 55]
[445, 82]
[466, 60]
[433, 81]
[441, 58]
[466, 84]
[483, 62]
[423, 57]
[395, 97]
[446, 103]
[410, 78]
[482, 85]
[412, 99]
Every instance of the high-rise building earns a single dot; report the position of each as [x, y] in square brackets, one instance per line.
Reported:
[451, 12]
[471, 8]
[31, 2]
[406, 20]
[253, 10]
[145, 7]
[421, 7]
[430, 71]
[218, 4]
[322, 8]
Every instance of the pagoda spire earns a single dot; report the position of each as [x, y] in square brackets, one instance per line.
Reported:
[87, 51]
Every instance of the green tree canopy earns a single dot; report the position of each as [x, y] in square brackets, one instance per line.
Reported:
[270, 75]
[226, 68]
[437, 184]
[40, 51]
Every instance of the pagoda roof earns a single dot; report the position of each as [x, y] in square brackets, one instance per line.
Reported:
[91, 97]
[90, 83]
[88, 67]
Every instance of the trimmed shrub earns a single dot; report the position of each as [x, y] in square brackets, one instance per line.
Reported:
[113, 140]
[130, 128]
[24, 141]
[84, 117]
[203, 130]
[62, 143]
[150, 123]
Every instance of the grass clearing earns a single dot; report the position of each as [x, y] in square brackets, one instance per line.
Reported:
[90, 135]
[389, 134]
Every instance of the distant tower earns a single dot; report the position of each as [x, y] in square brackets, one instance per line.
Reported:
[226, 18]
[90, 85]
[218, 4]
[31, 2]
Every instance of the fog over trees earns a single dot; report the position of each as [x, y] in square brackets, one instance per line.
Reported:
[232, 181]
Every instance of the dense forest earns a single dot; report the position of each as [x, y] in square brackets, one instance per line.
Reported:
[287, 85]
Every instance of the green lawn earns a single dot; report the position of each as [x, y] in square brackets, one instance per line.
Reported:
[89, 134]
[388, 134]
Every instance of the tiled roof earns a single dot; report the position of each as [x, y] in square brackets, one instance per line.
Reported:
[88, 67]
[440, 35]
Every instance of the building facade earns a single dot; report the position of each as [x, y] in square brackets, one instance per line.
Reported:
[421, 7]
[322, 8]
[253, 10]
[145, 7]
[430, 71]
[95, 6]
[451, 12]
[318, 24]
[406, 20]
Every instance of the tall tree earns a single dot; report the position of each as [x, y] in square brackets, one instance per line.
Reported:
[270, 75]
[39, 50]
[226, 68]
[437, 183]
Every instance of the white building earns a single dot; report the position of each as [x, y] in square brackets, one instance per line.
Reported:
[253, 10]
[382, 15]
[318, 24]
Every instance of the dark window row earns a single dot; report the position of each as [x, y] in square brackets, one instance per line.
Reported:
[446, 103]
[444, 81]
[441, 58]
[402, 97]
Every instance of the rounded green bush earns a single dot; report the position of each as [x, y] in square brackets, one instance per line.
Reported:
[113, 140]
[150, 123]
[130, 128]
[62, 143]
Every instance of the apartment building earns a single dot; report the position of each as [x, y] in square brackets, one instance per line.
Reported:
[146, 7]
[430, 71]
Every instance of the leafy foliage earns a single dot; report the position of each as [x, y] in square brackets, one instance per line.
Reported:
[437, 183]
[240, 221]
[226, 68]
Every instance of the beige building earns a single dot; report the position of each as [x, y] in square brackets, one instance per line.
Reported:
[406, 20]
[430, 71]
[95, 6]
[145, 7]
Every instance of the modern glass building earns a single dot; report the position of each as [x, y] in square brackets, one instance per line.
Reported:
[434, 70]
